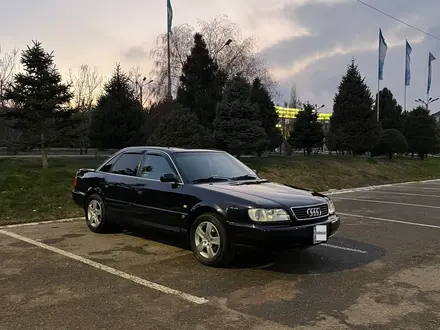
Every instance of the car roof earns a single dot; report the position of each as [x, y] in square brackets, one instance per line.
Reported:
[168, 150]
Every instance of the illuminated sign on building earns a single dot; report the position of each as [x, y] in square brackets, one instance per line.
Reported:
[291, 113]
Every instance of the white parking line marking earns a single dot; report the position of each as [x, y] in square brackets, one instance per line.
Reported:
[343, 248]
[110, 270]
[403, 193]
[386, 202]
[390, 220]
[418, 188]
[397, 184]
[42, 222]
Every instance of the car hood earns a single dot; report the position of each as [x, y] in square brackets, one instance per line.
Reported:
[268, 192]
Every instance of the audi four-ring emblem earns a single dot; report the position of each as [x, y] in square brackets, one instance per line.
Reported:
[314, 212]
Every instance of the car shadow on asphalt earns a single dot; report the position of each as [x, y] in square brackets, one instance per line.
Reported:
[158, 236]
[313, 260]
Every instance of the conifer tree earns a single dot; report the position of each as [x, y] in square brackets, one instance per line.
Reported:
[306, 132]
[268, 114]
[40, 99]
[391, 142]
[390, 112]
[238, 126]
[200, 83]
[420, 131]
[118, 120]
[181, 129]
[353, 124]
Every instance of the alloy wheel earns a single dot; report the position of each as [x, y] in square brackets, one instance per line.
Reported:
[94, 213]
[207, 240]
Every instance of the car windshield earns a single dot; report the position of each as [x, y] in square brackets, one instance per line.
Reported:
[199, 167]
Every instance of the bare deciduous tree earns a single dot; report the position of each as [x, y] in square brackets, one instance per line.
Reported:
[8, 67]
[294, 101]
[86, 85]
[238, 56]
[140, 85]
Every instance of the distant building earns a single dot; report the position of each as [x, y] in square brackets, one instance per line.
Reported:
[288, 115]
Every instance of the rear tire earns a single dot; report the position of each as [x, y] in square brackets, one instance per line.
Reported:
[210, 242]
[95, 214]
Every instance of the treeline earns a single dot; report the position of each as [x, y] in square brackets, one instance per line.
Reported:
[354, 127]
[210, 110]
[213, 107]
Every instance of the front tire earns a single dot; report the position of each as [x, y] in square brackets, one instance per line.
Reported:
[95, 214]
[209, 241]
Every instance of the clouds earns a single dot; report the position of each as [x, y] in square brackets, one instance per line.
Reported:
[307, 42]
[342, 30]
[136, 53]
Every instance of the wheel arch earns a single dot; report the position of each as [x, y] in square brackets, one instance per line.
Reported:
[200, 209]
[91, 191]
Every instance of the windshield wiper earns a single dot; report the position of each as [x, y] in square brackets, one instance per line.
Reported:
[244, 177]
[211, 179]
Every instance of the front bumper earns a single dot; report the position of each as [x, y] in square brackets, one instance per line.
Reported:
[279, 237]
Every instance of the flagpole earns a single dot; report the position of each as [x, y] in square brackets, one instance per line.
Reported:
[404, 100]
[380, 63]
[408, 51]
[427, 89]
[406, 69]
[169, 23]
[427, 85]
[378, 97]
[378, 78]
[427, 101]
[169, 67]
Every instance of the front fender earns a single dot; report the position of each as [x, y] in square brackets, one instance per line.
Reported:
[202, 207]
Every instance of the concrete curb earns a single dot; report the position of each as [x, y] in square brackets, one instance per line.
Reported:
[41, 222]
[329, 192]
[366, 188]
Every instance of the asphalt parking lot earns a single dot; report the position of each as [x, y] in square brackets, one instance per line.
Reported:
[381, 271]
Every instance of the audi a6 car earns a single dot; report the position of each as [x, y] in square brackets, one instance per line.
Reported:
[210, 196]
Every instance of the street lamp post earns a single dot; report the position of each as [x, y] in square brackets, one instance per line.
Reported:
[317, 114]
[427, 103]
[141, 86]
[227, 43]
[316, 107]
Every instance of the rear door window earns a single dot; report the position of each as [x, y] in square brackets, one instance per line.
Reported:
[127, 164]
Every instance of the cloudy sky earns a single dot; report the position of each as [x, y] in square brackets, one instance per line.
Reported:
[306, 42]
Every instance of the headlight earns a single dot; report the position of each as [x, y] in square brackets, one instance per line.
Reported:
[331, 206]
[268, 215]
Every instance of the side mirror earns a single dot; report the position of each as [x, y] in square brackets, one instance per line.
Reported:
[168, 177]
[255, 171]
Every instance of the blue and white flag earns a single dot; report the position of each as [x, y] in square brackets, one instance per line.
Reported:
[408, 64]
[169, 16]
[431, 58]
[383, 47]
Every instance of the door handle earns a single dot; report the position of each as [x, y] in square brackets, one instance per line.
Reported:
[138, 187]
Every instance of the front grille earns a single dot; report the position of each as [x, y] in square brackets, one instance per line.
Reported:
[310, 212]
